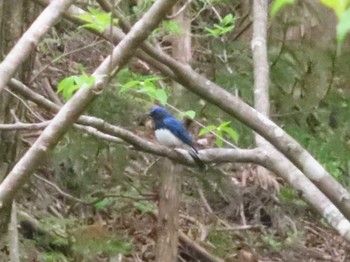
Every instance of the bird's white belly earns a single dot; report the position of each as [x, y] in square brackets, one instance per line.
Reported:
[166, 138]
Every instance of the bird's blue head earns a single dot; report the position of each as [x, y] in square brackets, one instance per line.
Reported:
[159, 113]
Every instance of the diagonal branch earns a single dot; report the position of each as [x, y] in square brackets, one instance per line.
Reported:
[21, 51]
[70, 112]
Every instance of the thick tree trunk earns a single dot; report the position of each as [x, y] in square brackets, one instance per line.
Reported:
[261, 81]
[169, 197]
[10, 30]
[181, 43]
[168, 218]
[14, 15]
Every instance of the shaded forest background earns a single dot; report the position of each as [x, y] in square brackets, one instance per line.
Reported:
[94, 200]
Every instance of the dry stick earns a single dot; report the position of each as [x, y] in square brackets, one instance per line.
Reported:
[24, 126]
[70, 112]
[231, 104]
[199, 249]
[29, 40]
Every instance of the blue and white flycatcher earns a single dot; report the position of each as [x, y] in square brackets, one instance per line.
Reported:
[171, 132]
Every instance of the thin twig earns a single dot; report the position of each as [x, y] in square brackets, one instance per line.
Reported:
[182, 9]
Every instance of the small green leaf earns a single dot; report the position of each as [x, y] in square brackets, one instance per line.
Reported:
[129, 85]
[103, 203]
[223, 125]
[172, 27]
[96, 19]
[206, 130]
[144, 206]
[191, 114]
[70, 84]
[225, 26]
[278, 4]
[228, 19]
[343, 26]
[218, 140]
[232, 133]
[161, 96]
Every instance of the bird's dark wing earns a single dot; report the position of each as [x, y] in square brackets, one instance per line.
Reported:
[178, 129]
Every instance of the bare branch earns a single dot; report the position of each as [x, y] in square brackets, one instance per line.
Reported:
[31, 38]
[24, 126]
[92, 125]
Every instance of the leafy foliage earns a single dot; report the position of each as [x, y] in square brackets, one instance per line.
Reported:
[53, 257]
[225, 26]
[72, 83]
[146, 85]
[190, 114]
[97, 19]
[145, 206]
[220, 131]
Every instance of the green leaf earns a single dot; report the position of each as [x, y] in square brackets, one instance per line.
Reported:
[70, 84]
[232, 133]
[223, 125]
[129, 85]
[172, 27]
[103, 203]
[228, 19]
[161, 96]
[339, 6]
[343, 26]
[206, 130]
[191, 114]
[149, 91]
[144, 206]
[96, 19]
[218, 140]
[278, 4]
[225, 26]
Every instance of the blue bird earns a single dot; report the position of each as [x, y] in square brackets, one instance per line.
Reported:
[172, 133]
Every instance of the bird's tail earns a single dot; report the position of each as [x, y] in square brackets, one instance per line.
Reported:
[194, 154]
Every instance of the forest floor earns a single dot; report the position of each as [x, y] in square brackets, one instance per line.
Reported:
[232, 218]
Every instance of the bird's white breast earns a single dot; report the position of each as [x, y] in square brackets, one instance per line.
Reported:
[166, 138]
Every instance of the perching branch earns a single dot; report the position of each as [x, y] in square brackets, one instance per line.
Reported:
[87, 123]
[30, 39]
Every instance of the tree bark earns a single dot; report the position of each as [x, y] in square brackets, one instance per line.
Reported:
[13, 20]
[261, 81]
[168, 218]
